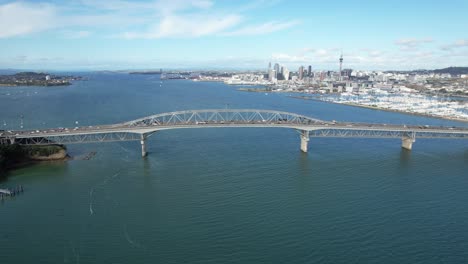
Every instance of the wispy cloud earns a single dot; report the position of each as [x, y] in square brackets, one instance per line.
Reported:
[134, 19]
[21, 18]
[457, 44]
[76, 34]
[160, 6]
[287, 58]
[412, 43]
[185, 27]
[265, 28]
[328, 58]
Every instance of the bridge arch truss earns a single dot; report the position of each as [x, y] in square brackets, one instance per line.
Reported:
[223, 116]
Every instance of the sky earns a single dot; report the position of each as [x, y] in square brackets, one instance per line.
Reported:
[225, 34]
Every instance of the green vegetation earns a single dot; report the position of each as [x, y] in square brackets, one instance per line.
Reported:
[44, 151]
[35, 79]
[9, 156]
[12, 155]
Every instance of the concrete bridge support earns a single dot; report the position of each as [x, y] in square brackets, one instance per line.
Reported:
[304, 140]
[143, 145]
[407, 142]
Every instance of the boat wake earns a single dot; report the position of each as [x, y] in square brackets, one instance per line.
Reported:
[129, 240]
[104, 183]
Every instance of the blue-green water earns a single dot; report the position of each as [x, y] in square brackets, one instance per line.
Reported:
[228, 195]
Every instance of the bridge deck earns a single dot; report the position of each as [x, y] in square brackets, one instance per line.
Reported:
[226, 118]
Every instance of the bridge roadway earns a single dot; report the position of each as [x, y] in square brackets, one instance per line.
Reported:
[142, 128]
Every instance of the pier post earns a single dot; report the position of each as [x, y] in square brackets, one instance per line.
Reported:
[143, 145]
[407, 142]
[304, 140]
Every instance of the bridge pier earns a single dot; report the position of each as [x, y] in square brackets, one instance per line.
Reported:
[143, 145]
[304, 140]
[407, 142]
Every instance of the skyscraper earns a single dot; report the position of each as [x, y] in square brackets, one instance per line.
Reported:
[301, 72]
[286, 73]
[273, 76]
[309, 71]
[277, 70]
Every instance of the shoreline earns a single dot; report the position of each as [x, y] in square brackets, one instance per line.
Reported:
[33, 85]
[383, 109]
[16, 156]
[252, 90]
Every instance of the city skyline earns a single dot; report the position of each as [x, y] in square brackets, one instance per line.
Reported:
[84, 35]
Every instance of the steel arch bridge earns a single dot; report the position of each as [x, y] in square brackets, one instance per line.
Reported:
[141, 129]
[223, 116]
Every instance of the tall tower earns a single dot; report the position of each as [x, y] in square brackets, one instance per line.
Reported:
[341, 64]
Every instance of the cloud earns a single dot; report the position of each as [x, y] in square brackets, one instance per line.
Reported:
[286, 58]
[310, 55]
[76, 34]
[265, 28]
[20, 58]
[187, 26]
[21, 18]
[161, 6]
[363, 58]
[457, 44]
[412, 43]
[133, 19]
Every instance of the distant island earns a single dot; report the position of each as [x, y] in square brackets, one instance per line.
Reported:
[146, 72]
[36, 79]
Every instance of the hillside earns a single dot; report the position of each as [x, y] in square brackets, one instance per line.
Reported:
[453, 70]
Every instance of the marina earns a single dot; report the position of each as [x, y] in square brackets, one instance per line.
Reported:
[417, 104]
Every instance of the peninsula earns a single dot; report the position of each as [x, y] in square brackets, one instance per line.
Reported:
[14, 155]
[36, 79]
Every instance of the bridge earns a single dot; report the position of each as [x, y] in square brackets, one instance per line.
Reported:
[141, 129]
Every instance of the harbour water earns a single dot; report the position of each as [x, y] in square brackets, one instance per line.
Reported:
[239, 195]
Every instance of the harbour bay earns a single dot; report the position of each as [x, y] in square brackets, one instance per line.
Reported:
[229, 195]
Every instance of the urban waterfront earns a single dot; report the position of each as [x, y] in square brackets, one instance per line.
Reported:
[244, 195]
